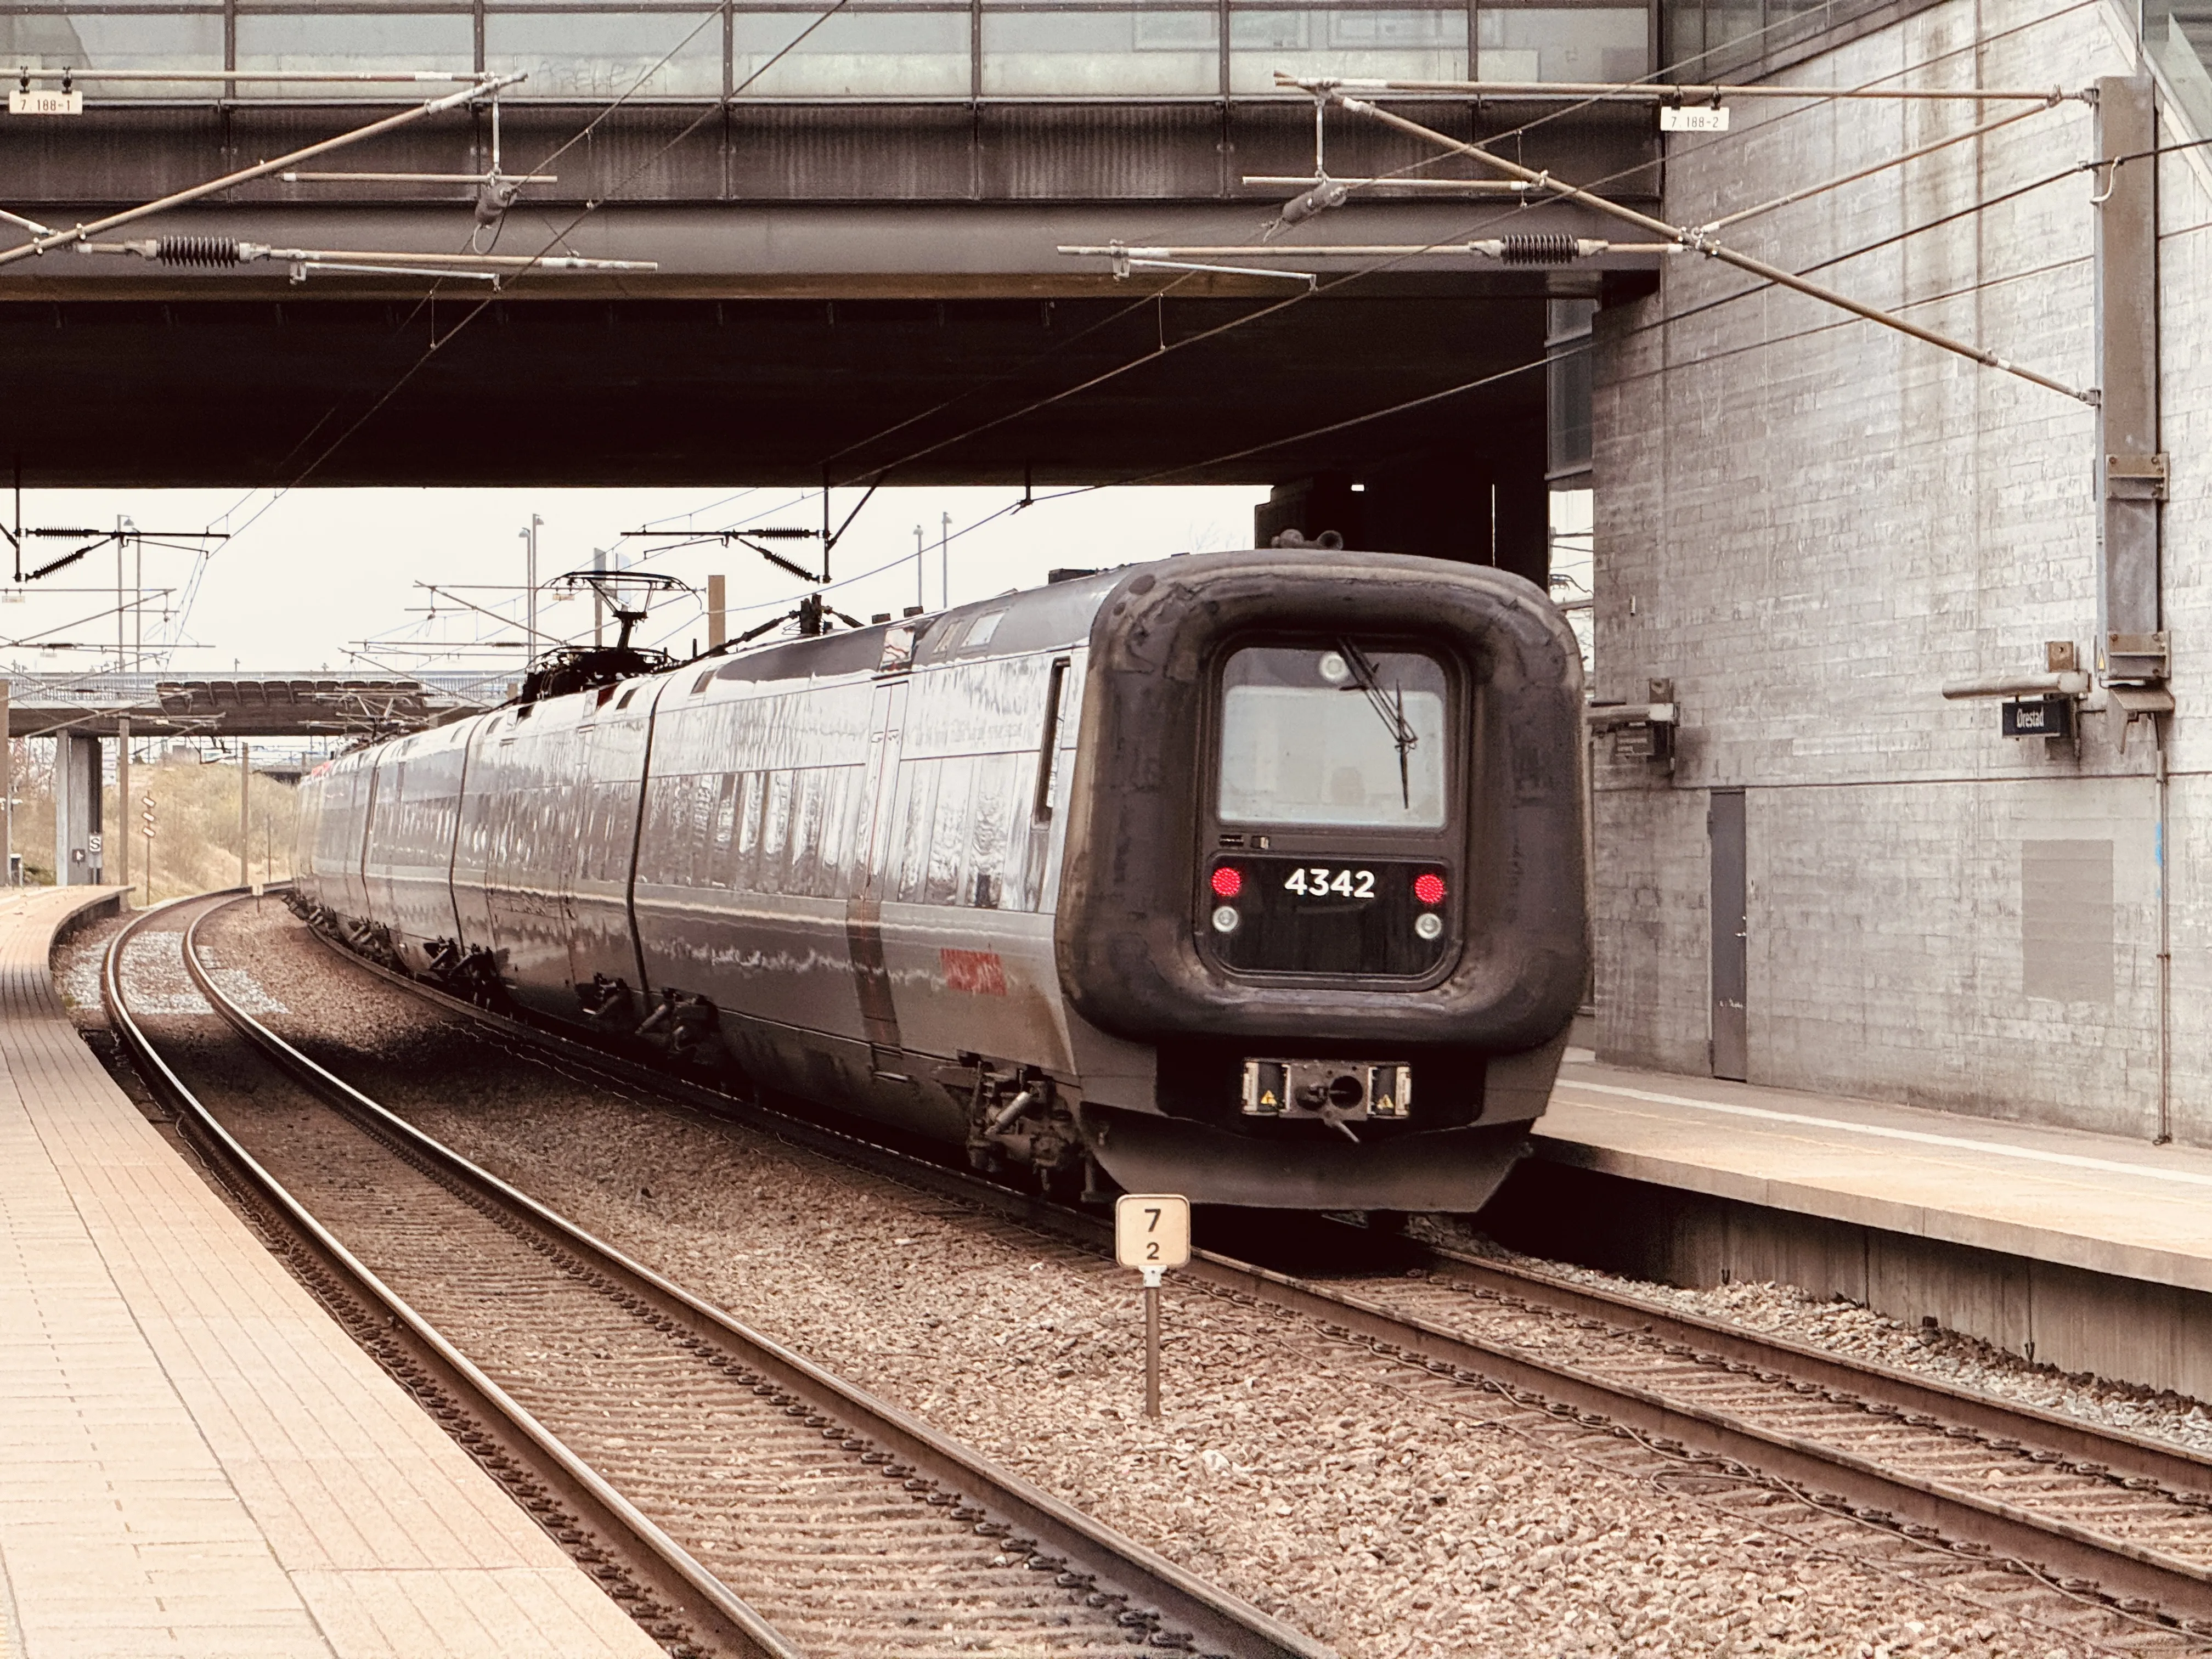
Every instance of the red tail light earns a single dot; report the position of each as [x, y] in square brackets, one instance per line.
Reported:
[1228, 881]
[1428, 887]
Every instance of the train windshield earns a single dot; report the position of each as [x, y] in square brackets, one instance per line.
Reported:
[1332, 735]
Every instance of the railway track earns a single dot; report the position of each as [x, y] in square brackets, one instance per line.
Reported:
[734, 1497]
[2101, 1516]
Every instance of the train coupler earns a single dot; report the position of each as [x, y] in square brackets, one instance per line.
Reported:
[1336, 1092]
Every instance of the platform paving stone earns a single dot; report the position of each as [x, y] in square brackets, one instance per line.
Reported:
[195, 1461]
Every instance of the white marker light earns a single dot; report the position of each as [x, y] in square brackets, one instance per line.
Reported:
[1225, 919]
[1429, 925]
[1333, 668]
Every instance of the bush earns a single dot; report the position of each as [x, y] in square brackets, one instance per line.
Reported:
[196, 824]
[194, 845]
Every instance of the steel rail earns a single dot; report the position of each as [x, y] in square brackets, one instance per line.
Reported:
[698, 1592]
[2052, 1547]
[1220, 1622]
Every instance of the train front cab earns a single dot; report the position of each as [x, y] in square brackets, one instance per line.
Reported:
[1330, 872]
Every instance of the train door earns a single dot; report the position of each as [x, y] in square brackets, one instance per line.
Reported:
[481, 778]
[605, 768]
[378, 788]
[1731, 976]
[864, 908]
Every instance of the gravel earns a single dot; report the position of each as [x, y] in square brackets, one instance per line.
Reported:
[1388, 1511]
[75, 966]
[1855, 1331]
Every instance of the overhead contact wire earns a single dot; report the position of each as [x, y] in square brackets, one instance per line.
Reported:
[1813, 98]
[439, 343]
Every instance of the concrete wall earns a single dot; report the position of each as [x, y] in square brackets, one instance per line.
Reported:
[1809, 523]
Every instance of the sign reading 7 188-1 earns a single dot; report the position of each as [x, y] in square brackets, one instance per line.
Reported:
[27, 100]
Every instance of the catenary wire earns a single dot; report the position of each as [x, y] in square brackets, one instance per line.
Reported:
[1158, 295]
[1875, 246]
[436, 342]
[1813, 100]
[439, 343]
[1407, 406]
[1155, 297]
[1420, 163]
[1762, 344]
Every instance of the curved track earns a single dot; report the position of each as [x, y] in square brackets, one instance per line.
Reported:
[737, 1497]
[2104, 1517]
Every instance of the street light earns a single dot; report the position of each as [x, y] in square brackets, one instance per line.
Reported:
[529, 581]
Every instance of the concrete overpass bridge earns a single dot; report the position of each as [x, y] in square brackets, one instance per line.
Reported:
[855, 242]
[80, 712]
[273, 703]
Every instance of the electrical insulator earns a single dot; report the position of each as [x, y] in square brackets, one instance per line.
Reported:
[1549, 248]
[197, 251]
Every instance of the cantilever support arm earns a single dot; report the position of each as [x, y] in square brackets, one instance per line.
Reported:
[52, 240]
[1697, 242]
[2058, 684]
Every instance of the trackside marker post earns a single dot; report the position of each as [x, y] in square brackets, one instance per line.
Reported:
[1152, 1233]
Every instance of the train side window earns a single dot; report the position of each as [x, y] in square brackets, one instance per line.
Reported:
[947, 836]
[728, 794]
[995, 845]
[744, 875]
[1047, 786]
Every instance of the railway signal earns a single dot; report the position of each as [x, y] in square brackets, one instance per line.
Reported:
[1152, 1233]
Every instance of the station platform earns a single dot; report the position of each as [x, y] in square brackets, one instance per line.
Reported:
[2090, 1251]
[194, 1458]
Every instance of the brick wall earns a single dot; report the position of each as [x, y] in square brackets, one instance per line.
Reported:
[1809, 523]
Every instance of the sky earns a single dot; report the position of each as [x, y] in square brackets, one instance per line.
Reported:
[334, 578]
[341, 579]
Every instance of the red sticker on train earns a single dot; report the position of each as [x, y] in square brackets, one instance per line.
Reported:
[976, 972]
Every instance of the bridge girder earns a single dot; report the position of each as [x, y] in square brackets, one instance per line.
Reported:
[825, 274]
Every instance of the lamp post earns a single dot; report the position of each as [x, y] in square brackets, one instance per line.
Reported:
[530, 584]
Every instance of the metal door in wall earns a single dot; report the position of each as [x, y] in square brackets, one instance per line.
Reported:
[1724, 826]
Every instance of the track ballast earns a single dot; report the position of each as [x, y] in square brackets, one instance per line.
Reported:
[736, 1497]
[2119, 1523]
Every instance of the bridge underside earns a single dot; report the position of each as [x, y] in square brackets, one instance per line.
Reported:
[881, 304]
[698, 392]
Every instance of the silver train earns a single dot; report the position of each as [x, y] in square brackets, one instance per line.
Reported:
[1252, 876]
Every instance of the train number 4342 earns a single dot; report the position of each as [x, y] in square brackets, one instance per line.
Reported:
[1319, 881]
